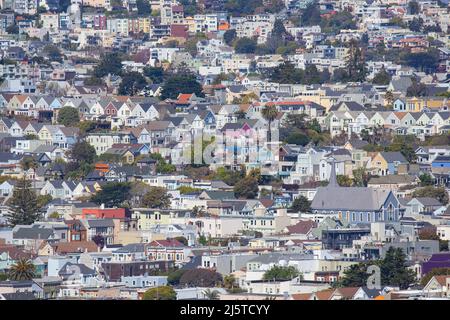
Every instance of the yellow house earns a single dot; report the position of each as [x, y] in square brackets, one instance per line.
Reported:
[379, 164]
[146, 217]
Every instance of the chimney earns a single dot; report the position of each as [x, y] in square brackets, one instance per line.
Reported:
[102, 206]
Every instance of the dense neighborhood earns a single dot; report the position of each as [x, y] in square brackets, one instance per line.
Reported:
[224, 150]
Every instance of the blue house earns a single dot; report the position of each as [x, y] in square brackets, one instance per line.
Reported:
[441, 162]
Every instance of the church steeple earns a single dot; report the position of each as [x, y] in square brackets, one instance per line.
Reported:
[333, 180]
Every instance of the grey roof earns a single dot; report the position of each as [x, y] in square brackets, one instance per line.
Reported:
[34, 232]
[69, 268]
[349, 198]
[277, 256]
[18, 296]
[96, 223]
[132, 247]
[394, 156]
[427, 201]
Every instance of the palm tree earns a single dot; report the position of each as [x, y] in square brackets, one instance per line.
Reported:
[23, 269]
[269, 113]
[211, 294]
[229, 281]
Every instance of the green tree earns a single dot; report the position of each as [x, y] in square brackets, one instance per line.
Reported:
[413, 7]
[156, 197]
[439, 193]
[160, 293]
[269, 113]
[382, 77]
[394, 271]
[426, 180]
[83, 152]
[53, 53]
[68, 116]
[132, 83]
[201, 277]
[173, 278]
[355, 276]
[22, 270]
[23, 205]
[181, 83]
[311, 15]
[416, 24]
[229, 281]
[301, 204]
[113, 194]
[245, 45]
[344, 181]
[143, 7]
[298, 138]
[356, 64]
[111, 63]
[280, 273]
[246, 188]
[155, 74]
[211, 294]
[229, 36]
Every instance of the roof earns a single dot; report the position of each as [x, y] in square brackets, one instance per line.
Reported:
[393, 156]
[302, 227]
[75, 246]
[349, 198]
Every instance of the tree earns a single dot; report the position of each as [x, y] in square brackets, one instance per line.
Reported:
[434, 272]
[439, 193]
[269, 113]
[22, 270]
[344, 181]
[298, 138]
[155, 74]
[156, 197]
[356, 64]
[394, 271]
[246, 188]
[132, 83]
[68, 116]
[278, 28]
[413, 7]
[360, 177]
[389, 96]
[229, 281]
[143, 7]
[160, 293]
[416, 89]
[426, 180]
[53, 53]
[382, 77]
[113, 194]
[181, 83]
[427, 61]
[355, 276]
[111, 63]
[229, 36]
[211, 294]
[311, 15]
[280, 273]
[173, 278]
[82, 151]
[416, 24]
[200, 277]
[301, 204]
[245, 45]
[23, 205]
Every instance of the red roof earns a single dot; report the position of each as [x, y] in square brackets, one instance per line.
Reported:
[184, 97]
[302, 227]
[166, 243]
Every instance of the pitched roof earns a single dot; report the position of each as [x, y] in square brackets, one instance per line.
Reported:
[302, 227]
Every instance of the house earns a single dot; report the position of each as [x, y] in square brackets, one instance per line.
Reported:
[438, 286]
[167, 250]
[388, 162]
[355, 204]
[424, 205]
